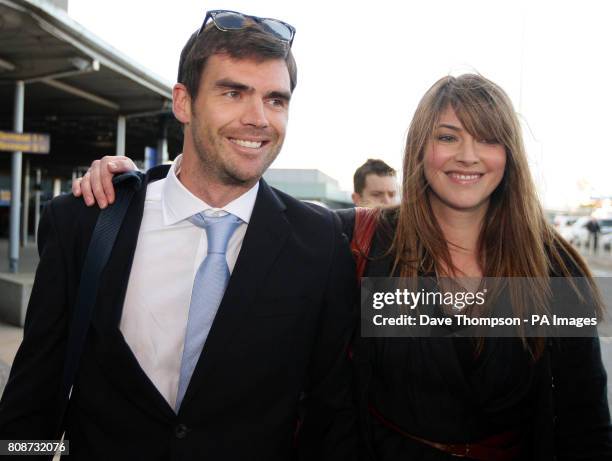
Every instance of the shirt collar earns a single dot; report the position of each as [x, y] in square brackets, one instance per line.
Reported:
[178, 203]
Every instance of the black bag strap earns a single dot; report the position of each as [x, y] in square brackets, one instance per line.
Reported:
[102, 241]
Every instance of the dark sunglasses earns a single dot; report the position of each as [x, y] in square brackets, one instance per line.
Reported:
[226, 20]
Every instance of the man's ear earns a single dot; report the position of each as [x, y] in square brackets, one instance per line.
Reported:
[181, 103]
[356, 198]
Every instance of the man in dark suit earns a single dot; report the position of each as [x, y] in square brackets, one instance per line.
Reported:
[205, 343]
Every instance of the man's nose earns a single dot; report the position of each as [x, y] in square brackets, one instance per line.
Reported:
[255, 113]
[386, 200]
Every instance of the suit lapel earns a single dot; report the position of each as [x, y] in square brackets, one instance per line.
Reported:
[266, 235]
[115, 355]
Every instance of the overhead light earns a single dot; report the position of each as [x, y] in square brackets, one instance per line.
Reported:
[80, 63]
[5, 65]
[85, 64]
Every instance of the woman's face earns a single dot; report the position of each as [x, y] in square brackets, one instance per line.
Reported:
[462, 171]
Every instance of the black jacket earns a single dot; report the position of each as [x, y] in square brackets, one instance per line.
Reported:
[275, 353]
[564, 401]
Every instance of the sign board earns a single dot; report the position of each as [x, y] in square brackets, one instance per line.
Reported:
[33, 143]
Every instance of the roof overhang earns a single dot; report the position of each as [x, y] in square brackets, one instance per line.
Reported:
[70, 69]
[76, 87]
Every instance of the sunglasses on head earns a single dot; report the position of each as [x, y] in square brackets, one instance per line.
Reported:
[227, 20]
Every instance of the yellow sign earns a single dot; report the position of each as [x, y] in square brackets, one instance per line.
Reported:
[33, 143]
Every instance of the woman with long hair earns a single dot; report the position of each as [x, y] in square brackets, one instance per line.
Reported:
[470, 210]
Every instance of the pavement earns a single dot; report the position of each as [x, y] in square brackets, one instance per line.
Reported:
[11, 336]
[600, 263]
[10, 339]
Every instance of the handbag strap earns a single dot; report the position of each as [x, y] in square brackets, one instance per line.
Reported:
[102, 241]
[366, 220]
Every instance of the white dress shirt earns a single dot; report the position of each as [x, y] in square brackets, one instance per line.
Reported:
[168, 253]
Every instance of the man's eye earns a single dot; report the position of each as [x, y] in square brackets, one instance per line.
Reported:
[277, 102]
[232, 94]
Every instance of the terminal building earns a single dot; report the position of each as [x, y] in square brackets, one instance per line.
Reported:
[310, 185]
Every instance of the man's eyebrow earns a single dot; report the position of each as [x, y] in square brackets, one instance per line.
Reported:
[450, 127]
[285, 95]
[225, 83]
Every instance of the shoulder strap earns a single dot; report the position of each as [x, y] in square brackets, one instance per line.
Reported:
[102, 241]
[366, 220]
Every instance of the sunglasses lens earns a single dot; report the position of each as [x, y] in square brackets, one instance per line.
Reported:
[278, 28]
[229, 20]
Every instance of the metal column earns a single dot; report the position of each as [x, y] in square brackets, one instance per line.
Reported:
[120, 135]
[162, 151]
[37, 195]
[25, 216]
[16, 181]
[162, 142]
[57, 187]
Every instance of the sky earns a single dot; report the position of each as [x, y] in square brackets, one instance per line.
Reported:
[363, 67]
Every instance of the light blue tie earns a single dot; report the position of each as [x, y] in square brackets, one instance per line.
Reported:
[208, 289]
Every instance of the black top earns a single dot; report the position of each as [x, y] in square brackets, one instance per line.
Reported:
[438, 389]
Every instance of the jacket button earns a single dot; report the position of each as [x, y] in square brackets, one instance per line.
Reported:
[180, 431]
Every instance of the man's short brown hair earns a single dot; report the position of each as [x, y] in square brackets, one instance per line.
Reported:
[251, 42]
[371, 166]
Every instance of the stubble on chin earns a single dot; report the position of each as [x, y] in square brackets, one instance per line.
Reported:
[213, 166]
[228, 178]
[215, 163]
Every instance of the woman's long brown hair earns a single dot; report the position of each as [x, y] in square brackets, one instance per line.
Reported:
[515, 239]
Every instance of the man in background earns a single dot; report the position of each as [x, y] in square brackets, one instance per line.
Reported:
[594, 229]
[375, 184]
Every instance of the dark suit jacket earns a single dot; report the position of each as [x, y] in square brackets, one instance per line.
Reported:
[276, 350]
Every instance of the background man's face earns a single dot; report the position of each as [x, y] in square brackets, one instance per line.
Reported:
[378, 191]
[239, 118]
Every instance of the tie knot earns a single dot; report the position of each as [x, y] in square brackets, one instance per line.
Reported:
[219, 229]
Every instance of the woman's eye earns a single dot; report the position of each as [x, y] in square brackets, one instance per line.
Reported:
[446, 138]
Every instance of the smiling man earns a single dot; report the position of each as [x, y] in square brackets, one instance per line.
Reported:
[222, 326]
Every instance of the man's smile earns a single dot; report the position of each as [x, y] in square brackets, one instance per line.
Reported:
[251, 144]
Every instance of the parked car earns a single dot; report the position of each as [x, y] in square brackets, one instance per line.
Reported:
[606, 225]
[561, 221]
[605, 242]
[563, 224]
[567, 232]
[578, 234]
[572, 232]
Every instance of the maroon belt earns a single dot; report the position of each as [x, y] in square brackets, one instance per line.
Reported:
[500, 447]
